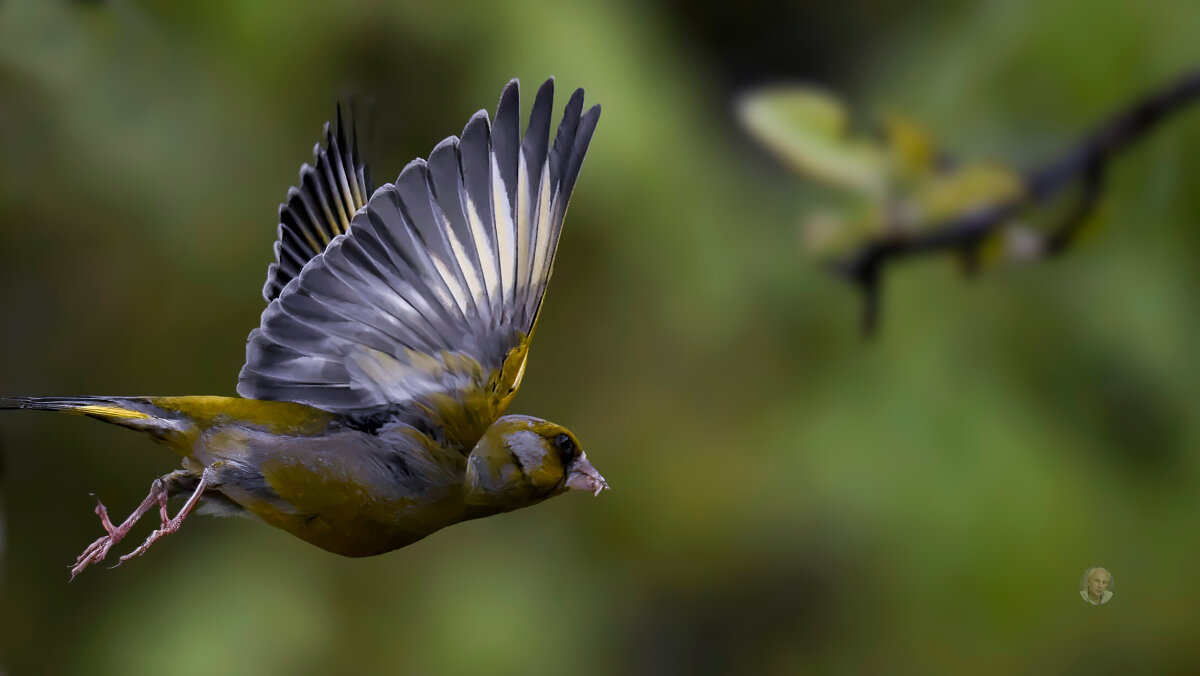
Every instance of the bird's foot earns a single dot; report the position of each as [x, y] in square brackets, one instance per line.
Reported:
[160, 492]
[172, 525]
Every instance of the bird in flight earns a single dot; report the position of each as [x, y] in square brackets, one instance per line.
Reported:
[372, 401]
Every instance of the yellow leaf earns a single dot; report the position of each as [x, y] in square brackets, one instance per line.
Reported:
[966, 188]
[911, 144]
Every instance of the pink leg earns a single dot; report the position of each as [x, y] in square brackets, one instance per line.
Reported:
[173, 525]
[160, 491]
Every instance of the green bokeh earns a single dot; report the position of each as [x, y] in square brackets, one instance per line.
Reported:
[785, 497]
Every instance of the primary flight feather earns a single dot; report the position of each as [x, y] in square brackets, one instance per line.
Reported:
[396, 335]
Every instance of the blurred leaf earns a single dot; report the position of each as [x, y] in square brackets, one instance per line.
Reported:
[832, 230]
[809, 130]
[912, 147]
[964, 189]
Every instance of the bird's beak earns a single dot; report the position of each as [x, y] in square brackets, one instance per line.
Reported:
[581, 476]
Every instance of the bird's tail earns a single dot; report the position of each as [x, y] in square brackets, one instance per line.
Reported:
[136, 413]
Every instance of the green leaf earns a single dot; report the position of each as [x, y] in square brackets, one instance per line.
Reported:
[966, 188]
[808, 129]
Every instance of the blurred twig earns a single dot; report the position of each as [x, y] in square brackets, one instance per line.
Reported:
[1083, 164]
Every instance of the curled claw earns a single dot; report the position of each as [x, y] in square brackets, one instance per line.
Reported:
[102, 512]
[160, 492]
[96, 551]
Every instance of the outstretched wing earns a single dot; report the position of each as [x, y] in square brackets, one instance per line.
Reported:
[321, 208]
[427, 304]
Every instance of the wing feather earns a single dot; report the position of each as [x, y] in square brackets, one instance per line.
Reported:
[424, 297]
[321, 208]
[475, 152]
[426, 226]
[505, 166]
[446, 189]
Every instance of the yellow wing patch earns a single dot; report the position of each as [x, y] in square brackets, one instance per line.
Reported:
[109, 412]
[511, 374]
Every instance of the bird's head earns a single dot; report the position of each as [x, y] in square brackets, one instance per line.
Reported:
[522, 460]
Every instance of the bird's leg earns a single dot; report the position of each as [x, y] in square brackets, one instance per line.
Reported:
[172, 525]
[160, 490]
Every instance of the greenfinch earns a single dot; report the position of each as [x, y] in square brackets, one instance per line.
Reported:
[372, 401]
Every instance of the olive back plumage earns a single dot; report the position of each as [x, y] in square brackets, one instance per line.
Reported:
[437, 281]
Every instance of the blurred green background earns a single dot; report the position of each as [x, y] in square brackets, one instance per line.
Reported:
[786, 497]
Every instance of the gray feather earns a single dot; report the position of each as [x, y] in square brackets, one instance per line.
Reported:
[316, 212]
[451, 259]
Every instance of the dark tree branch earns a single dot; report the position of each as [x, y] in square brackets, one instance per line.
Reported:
[1062, 236]
[1084, 163]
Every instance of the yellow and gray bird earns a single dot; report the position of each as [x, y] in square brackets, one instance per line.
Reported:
[395, 336]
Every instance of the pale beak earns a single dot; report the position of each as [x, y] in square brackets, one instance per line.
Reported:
[581, 476]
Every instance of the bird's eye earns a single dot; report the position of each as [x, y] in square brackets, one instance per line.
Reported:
[565, 445]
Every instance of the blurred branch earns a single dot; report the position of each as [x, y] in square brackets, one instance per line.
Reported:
[1083, 164]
